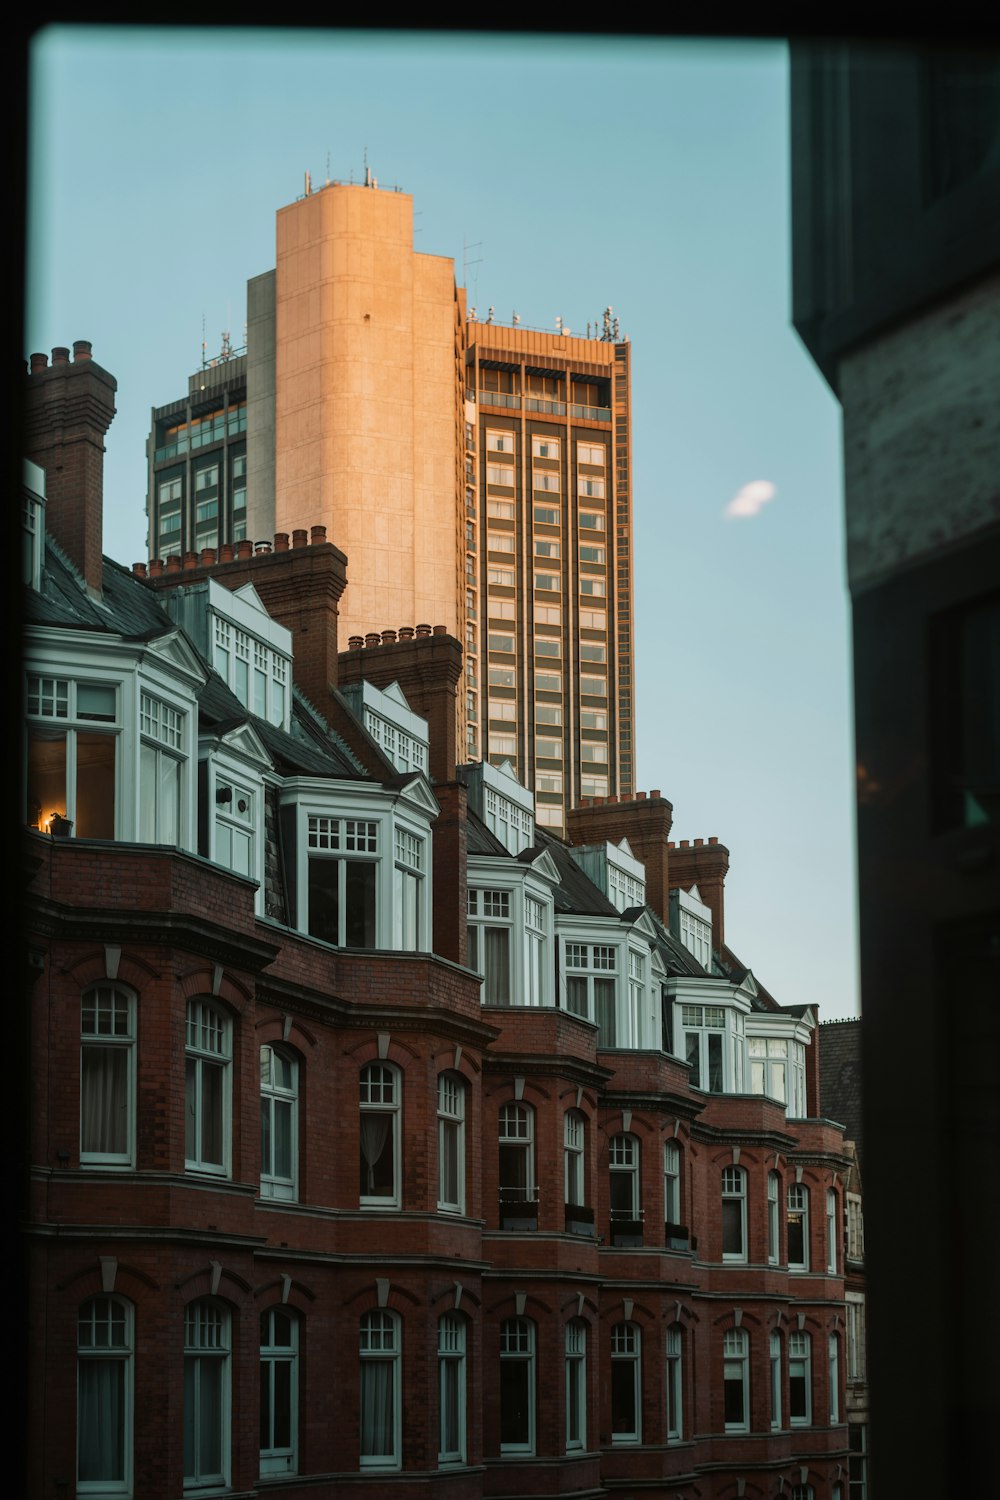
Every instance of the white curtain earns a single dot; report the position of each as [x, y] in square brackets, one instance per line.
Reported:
[374, 1136]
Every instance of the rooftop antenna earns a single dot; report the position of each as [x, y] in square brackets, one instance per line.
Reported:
[559, 324]
[327, 166]
[514, 319]
[490, 318]
[309, 186]
[204, 346]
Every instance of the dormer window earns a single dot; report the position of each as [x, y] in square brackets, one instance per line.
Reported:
[73, 730]
[514, 826]
[256, 673]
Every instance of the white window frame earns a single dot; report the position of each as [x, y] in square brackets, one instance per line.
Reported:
[490, 914]
[734, 1190]
[736, 1367]
[516, 1132]
[675, 1383]
[623, 1168]
[854, 1314]
[626, 1348]
[201, 1353]
[833, 1377]
[831, 1231]
[800, 1361]
[408, 896]
[517, 1344]
[854, 1229]
[111, 1035]
[347, 842]
[701, 1026]
[163, 764]
[380, 1087]
[277, 1100]
[594, 969]
[236, 805]
[797, 1209]
[208, 1045]
[96, 1317]
[451, 1141]
[574, 1144]
[53, 713]
[380, 1341]
[279, 1458]
[672, 1183]
[452, 1335]
[576, 1385]
[773, 1219]
[774, 1348]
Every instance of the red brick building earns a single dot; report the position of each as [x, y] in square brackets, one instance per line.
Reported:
[380, 1142]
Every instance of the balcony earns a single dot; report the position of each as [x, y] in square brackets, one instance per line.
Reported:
[591, 413]
[627, 1228]
[505, 399]
[552, 408]
[519, 1209]
[579, 1220]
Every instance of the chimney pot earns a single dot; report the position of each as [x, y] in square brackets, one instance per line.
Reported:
[39, 362]
[423, 630]
[440, 630]
[60, 355]
[190, 560]
[82, 349]
[355, 642]
[640, 796]
[156, 567]
[281, 541]
[671, 844]
[244, 548]
[373, 638]
[207, 556]
[698, 843]
[388, 636]
[139, 570]
[227, 552]
[262, 549]
[300, 537]
[174, 563]
[318, 534]
[406, 632]
[684, 844]
[655, 792]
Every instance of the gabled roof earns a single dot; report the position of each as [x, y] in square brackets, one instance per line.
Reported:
[127, 608]
[737, 971]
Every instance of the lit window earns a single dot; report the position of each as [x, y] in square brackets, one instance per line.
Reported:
[104, 1397]
[279, 1391]
[545, 479]
[590, 453]
[490, 935]
[675, 1372]
[626, 1384]
[517, 1167]
[576, 1384]
[517, 1386]
[451, 1143]
[773, 1241]
[775, 1374]
[574, 1129]
[500, 510]
[734, 1214]
[206, 1395]
[500, 474]
[798, 1227]
[380, 1347]
[207, 1083]
[279, 1078]
[735, 1378]
[799, 1380]
[72, 756]
[500, 541]
[107, 1077]
[451, 1389]
[342, 871]
[380, 1090]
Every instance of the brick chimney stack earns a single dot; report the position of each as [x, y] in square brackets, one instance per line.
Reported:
[645, 821]
[68, 408]
[427, 664]
[300, 585]
[705, 865]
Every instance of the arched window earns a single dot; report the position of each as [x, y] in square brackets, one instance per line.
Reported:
[208, 1057]
[675, 1384]
[451, 1143]
[279, 1391]
[671, 1183]
[736, 1380]
[107, 1077]
[104, 1397]
[279, 1104]
[517, 1386]
[451, 1387]
[576, 1384]
[206, 1395]
[381, 1088]
[380, 1350]
[574, 1135]
[518, 1193]
[734, 1214]
[626, 1383]
[799, 1379]
[626, 1214]
[798, 1227]
[773, 1239]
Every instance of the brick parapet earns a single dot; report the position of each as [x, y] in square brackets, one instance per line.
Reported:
[645, 821]
[427, 664]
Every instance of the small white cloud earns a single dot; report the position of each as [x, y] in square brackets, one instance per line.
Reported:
[751, 499]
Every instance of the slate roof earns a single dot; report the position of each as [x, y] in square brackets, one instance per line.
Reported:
[840, 1077]
[736, 970]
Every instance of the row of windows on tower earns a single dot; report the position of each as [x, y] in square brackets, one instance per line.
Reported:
[106, 1343]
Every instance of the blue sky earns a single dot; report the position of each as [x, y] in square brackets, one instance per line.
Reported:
[649, 175]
